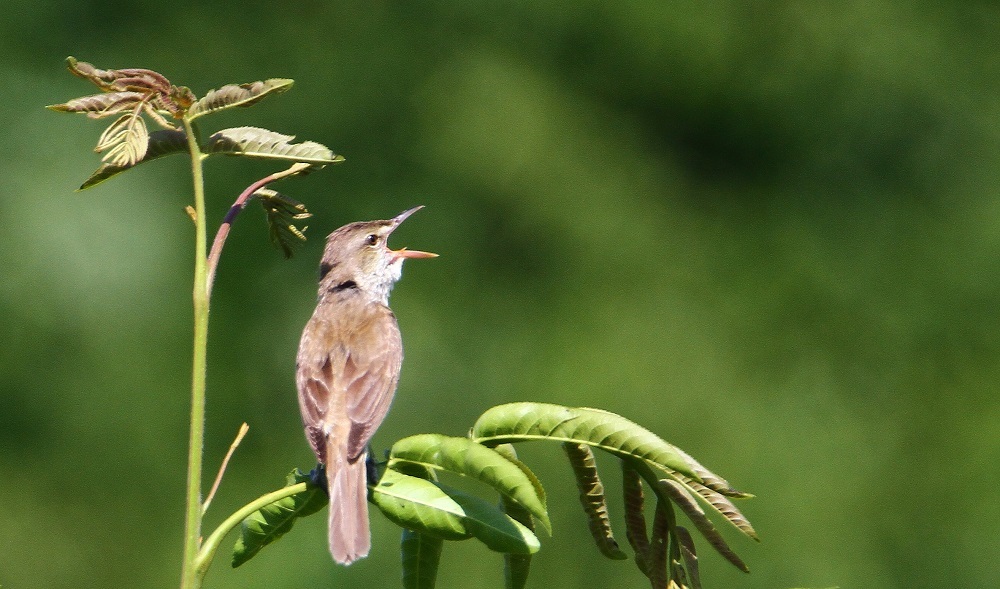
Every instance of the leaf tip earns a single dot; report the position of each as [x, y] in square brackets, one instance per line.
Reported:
[546, 523]
[89, 183]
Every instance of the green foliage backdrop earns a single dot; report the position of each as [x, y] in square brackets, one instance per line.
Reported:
[768, 232]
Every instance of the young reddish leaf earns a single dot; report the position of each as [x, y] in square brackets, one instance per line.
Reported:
[237, 95]
[724, 507]
[98, 106]
[261, 143]
[581, 458]
[656, 556]
[679, 495]
[119, 80]
[635, 518]
[688, 556]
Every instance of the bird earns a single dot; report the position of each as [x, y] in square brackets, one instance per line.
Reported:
[347, 369]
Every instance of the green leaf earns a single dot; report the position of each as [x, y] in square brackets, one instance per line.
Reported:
[237, 95]
[270, 523]
[420, 505]
[508, 452]
[465, 457]
[421, 555]
[517, 566]
[613, 433]
[159, 144]
[261, 143]
[446, 513]
[712, 480]
[494, 528]
[99, 106]
[581, 458]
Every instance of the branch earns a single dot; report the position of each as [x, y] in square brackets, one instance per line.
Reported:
[211, 544]
[222, 468]
[241, 201]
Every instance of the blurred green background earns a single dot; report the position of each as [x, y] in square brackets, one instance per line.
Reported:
[767, 231]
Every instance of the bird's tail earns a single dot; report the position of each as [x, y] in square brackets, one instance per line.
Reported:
[350, 538]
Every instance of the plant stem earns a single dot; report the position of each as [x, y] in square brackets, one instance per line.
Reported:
[241, 201]
[227, 223]
[193, 515]
[204, 558]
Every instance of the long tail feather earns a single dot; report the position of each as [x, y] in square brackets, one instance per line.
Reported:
[350, 538]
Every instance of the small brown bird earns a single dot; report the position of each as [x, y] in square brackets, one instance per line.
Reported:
[348, 366]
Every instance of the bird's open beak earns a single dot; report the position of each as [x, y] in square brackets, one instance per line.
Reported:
[402, 216]
[405, 253]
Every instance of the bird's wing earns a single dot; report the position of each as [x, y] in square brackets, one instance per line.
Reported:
[347, 372]
[371, 372]
[314, 377]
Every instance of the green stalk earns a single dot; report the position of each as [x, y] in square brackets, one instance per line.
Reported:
[211, 544]
[193, 514]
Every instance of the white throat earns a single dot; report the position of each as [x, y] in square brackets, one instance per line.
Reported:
[381, 283]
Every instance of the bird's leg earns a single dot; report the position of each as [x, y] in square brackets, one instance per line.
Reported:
[371, 467]
[317, 476]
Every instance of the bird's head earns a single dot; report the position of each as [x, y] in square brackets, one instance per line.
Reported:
[358, 253]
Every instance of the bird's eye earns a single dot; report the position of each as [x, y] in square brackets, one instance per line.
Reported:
[372, 239]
